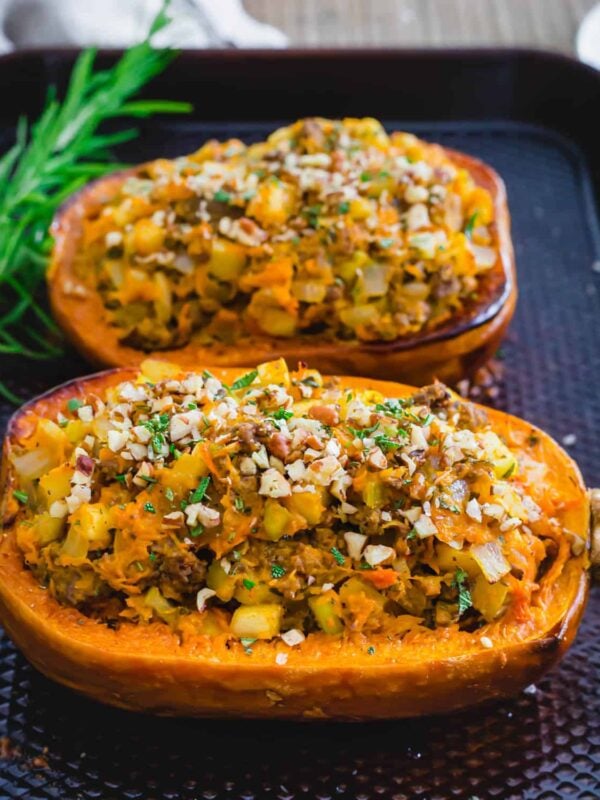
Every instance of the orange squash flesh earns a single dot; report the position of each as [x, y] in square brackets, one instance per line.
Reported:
[147, 668]
[447, 352]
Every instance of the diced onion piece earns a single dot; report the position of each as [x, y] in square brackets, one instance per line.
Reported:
[202, 596]
[490, 559]
[485, 257]
[424, 527]
[293, 637]
[376, 554]
[374, 280]
[354, 544]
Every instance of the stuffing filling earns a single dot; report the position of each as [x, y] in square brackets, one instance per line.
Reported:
[334, 229]
[280, 505]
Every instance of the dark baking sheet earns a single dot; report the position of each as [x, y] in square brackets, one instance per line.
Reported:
[544, 141]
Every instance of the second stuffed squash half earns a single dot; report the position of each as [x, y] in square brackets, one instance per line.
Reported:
[335, 242]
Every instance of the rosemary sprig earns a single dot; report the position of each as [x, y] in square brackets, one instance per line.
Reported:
[50, 160]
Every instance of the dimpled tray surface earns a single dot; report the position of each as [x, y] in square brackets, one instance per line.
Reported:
[544, 744]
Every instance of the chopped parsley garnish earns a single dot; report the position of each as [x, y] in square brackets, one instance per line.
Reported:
[197, 531]
[122, 478]
[371, 650]
[365, 176]
[22, 497]
[277, 571]
[238, 502]
[246, 643]
[385, 443]
[198, 494]
[363, 433]
[157, 426]
[169, 494]
[74, 403]
[221, 196]
[152, 556]
[344, 207]
[412, 534]
[248, 584]
[312, 215]
[149, 508]
[464, 595]
[471, 224]
[391, 408]
[148, 478]
[245, 380]
[338, 556]
[192, 406]
[282, 413]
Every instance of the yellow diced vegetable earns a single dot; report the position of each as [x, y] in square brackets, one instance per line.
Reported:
[148, 237]
[374, 493]
[354, 587]
[273, 203]
[277, 322]
[160, 605]
[450, 560]
[46, 529]
[220, 582]
[276, 520]
[274, 372]
[183, 475]
[308, 504]
[56, 484]
[95, 522]
[326, 609]
[76, 543]
[361, 208]
[257, 622]
[489, 598]
[155, 371]
[227, 260]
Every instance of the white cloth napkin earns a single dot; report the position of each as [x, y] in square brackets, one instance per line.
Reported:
[119, 23]
[588, 38]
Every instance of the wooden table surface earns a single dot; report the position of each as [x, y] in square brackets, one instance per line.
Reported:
[547, 24]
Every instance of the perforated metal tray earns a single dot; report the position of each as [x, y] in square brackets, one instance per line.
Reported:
[545, 744]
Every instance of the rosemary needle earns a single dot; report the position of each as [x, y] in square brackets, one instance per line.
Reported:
[50, 160]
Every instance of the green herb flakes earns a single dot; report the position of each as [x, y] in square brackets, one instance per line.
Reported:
[245, 380]
[198, 494]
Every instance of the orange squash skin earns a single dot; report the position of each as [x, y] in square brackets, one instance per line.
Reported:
[146, 667]
[448, 352]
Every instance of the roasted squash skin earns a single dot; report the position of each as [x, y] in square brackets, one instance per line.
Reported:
[448, 352]
[147, 668]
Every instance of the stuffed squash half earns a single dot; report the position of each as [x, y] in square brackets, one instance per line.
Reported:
[284, 544]
[335, 242]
